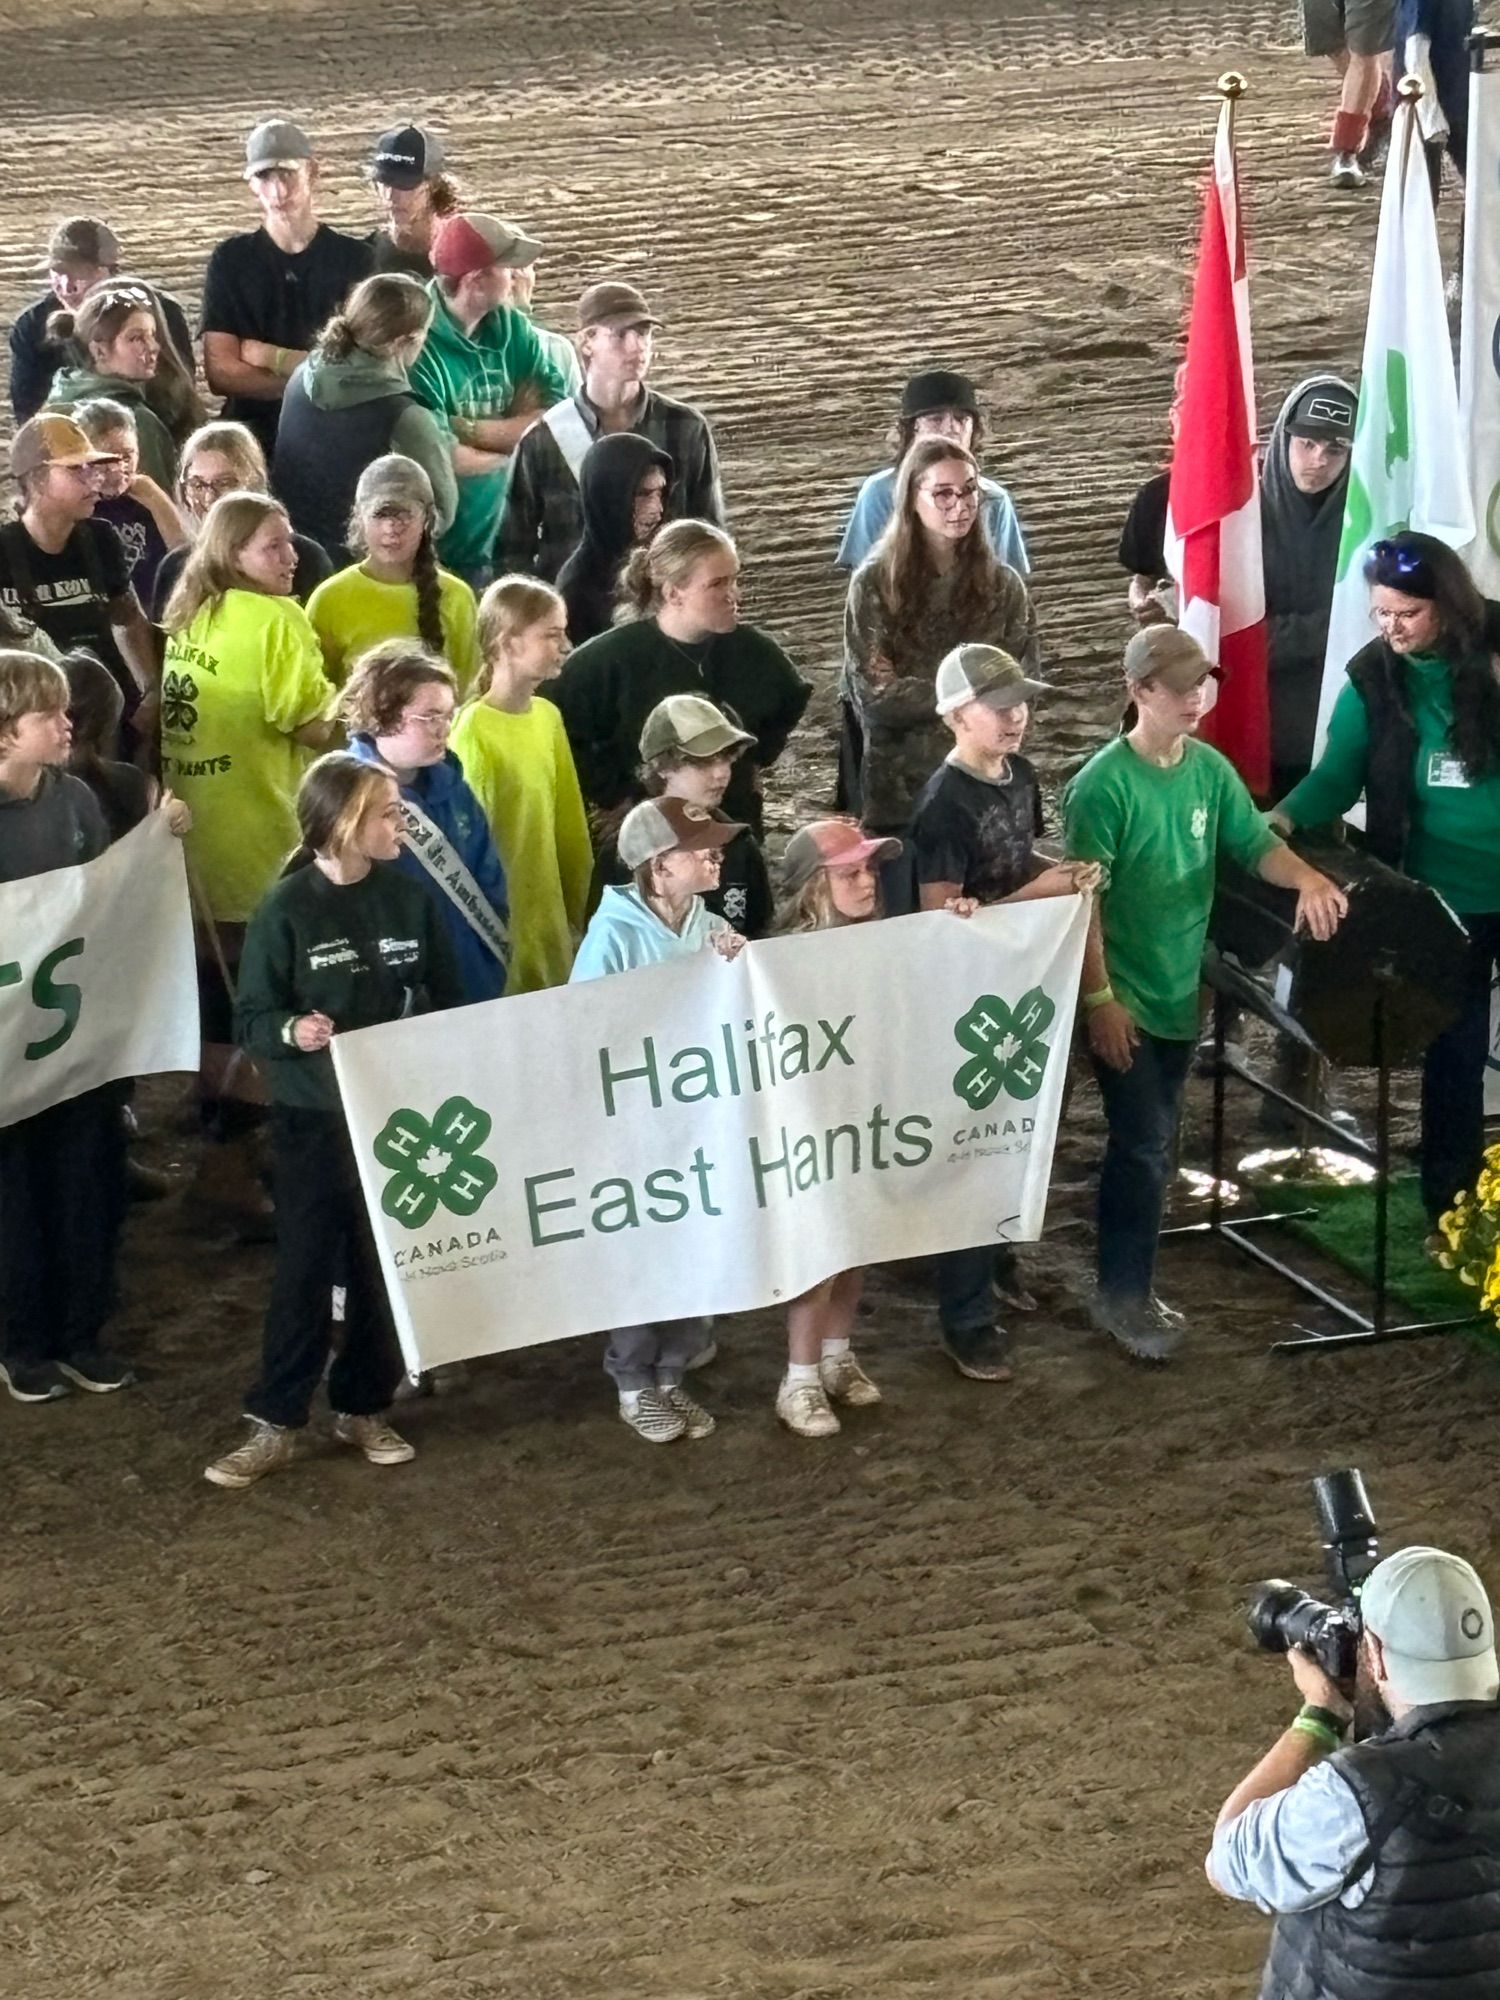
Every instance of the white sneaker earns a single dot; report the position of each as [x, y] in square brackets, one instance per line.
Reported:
[844, 1381]
[653, 1417]
[374, 1437]
[697, 1422]
[1347, 172]
[805, 1409]
[267, 1449]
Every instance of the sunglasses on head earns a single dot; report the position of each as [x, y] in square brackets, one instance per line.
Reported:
[1396, 567]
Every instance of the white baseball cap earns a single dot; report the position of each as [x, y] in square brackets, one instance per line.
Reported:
[1432, 1617]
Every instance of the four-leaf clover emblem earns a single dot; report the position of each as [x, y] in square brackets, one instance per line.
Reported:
[435, 1161]
[179, 703]
[1006, 1049]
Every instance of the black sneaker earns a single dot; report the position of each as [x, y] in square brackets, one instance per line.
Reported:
[97, 1372]
[32, 1382]
[983, 1356]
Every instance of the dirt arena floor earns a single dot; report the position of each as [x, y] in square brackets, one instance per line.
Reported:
[945, 1706]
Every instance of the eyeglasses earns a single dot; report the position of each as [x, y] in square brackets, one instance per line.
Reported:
[439, 724]
[952, 496]
[211, 489]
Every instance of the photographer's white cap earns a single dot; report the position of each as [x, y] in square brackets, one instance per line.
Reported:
[1432, 1617]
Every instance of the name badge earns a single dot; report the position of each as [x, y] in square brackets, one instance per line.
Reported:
[1445, 772]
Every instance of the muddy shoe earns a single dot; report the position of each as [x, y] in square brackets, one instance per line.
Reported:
[97, 1372]
[1346, 172]
[1137, 1329]
[844, 1381]
[697, 1423]
[982, 1356]
[32, 1382]
[267, 1449]
[804, 1408]
[375, 1438]
[651, 1416]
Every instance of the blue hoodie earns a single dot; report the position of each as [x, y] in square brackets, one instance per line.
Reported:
[442, 792]
[623, 934]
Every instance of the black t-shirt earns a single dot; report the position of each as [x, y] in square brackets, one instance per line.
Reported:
[1142, 543]
[69, 594]
[976, 833]
[257, 291]
[390, 257]
[313, 568]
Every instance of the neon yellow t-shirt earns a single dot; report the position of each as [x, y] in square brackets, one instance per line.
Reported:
[352, 612]
[521, 770]
[235, 686]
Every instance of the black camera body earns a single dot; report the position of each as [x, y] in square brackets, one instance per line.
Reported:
[1281, 1616]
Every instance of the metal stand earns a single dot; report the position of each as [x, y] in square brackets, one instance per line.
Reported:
[1367, 1329]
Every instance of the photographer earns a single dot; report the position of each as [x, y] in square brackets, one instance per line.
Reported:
[1380, 1858]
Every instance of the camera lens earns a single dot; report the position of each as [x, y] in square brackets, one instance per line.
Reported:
[1281, 1616]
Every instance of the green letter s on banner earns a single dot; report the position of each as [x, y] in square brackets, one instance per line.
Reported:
[63, 998]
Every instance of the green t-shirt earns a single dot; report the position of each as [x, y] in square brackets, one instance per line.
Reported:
[1159, 832]
[465, 375]
[236, 685]
[352, 612]
[1453, 842]
[520, 769]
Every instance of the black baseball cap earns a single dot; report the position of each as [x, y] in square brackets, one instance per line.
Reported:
[1324, 412]
[406, 156]
[938, 389]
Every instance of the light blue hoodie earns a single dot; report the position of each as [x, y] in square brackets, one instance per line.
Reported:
[623, 934]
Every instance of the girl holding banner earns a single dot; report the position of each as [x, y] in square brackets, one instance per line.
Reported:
[343, 941]
[399, 705]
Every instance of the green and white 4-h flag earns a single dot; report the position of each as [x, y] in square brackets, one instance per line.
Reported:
[1410, 468]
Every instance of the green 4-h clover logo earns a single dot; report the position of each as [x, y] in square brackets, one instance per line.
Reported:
[435, 1161]
[179, 703]
[1006, 1050]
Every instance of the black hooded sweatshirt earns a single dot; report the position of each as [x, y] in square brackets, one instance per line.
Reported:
[613, 467]
[1300, 541]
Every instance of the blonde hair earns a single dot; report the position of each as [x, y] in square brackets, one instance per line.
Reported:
[29, 684]
[377, 316]
[667, 561]
[384, 680]
[810, 908]
[212, 566]
[511, 606]
[236, 442]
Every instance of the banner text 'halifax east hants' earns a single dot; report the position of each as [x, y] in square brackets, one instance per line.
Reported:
[707, 1136]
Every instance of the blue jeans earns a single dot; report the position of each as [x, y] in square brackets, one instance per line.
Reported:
[1142, 1104]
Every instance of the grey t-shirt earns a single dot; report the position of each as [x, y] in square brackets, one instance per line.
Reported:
[59, 826]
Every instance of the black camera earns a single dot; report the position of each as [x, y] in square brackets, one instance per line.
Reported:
[1281, 1616]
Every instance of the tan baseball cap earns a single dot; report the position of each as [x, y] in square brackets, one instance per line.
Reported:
[1167, 654]
[53, 440]
[82, 239]
[975, 672]
[614, 303]
[688, 723]
[658, 826]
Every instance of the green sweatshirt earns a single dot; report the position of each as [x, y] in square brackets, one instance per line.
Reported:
[1453, 843]
[82, 385]
[360, 952]
[366, 378]
[472, 375]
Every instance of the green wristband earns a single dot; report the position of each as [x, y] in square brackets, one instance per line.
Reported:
[1336, 1725]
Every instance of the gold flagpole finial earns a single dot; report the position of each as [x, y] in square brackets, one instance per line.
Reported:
[1231, 86]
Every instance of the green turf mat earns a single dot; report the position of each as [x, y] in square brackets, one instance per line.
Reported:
[1344, 1230]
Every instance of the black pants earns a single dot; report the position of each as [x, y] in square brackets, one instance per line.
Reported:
[322, 1239]
[62, 1198]
[1453, 1080]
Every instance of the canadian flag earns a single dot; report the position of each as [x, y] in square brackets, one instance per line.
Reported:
[1213, 505]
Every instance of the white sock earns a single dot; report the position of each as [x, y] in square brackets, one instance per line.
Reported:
[833, 1348]
[630, 1401]
[799, 1374]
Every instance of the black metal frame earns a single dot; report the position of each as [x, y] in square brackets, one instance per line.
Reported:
[1368, 1329]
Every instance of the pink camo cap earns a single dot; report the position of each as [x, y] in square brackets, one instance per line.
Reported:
[831, 843]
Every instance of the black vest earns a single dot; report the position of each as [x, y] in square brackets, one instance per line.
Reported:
[320, 455]
[1429, 1928]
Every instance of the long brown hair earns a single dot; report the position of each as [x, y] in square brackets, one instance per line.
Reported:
[335, 794]
[212, 567]
[100, 315]
[904, 568]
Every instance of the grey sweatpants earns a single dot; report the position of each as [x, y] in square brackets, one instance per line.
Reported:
[649, 1357]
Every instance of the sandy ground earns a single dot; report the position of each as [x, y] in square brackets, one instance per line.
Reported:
[945, 1706]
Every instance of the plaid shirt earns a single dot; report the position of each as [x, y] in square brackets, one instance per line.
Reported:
[543, 519]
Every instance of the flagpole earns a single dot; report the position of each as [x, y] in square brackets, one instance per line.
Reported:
[1409, 90]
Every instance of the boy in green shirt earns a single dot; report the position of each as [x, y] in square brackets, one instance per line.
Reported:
[484, 373]
[1155, 808]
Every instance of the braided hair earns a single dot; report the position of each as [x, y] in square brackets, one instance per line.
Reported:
[425, 578]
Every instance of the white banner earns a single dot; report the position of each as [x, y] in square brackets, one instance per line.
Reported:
[708, 1137]
[1408, 468]
[1479, 352]
[97, 979]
